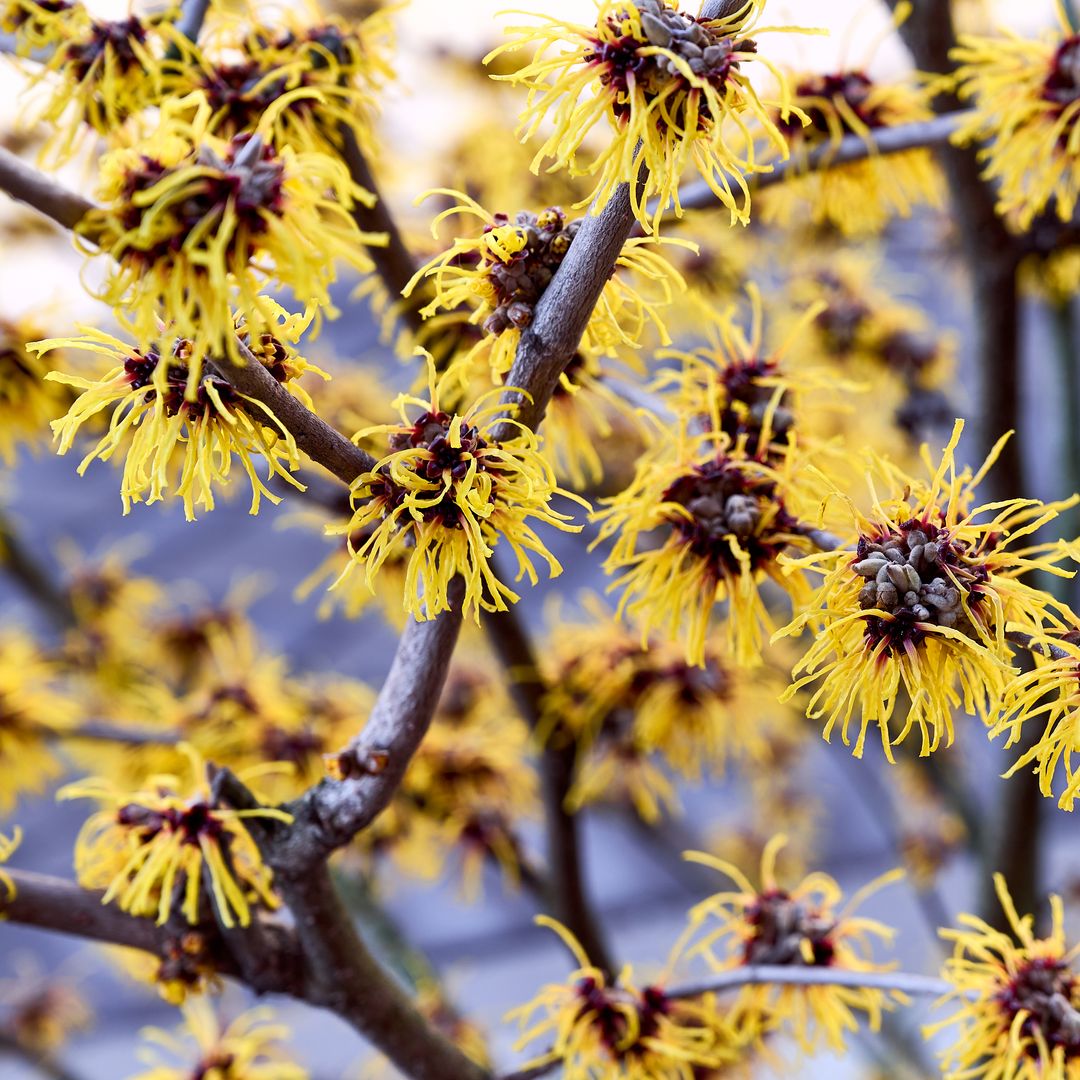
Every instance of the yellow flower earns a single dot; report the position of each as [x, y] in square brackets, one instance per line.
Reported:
[249, 1048]
[8, 845]
[501, 275]
[863, 196]
[101, 73]
[151, 848]
[613, 1030]
[1026, 99]
[179, 438]
[807, 926]
[624, 704]
[737, 385]
[452, 490]
[27, 403]
[33, 715]
[199, 226]
[1050, 694]
[1017, 997]
[672, 89]
[915, 616]
[306, 73]
[722, 519]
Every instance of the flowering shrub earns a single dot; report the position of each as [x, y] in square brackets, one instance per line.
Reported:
[649, 335]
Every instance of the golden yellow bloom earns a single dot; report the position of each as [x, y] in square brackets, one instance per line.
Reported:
[100, 73]
[807, 926]
[501, 274]
[738, 385]
[1026, 97]
[452, 490]
[33, 715]
[153, 846]
[613, 1030]
[915, 615]
[622, 703]
[672, 89]
[305, 71]
[1017, 998]
[198, 226]
[8, 845]
[1048, 694]
[722, 519]
[27, 402]
[859, 197]
[179, 437]
[248, 1048]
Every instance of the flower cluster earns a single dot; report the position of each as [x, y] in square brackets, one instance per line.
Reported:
[172, 843]
[859, 197]
[807, 926]
[451, 487]
[610, 1029]
[1026, 98]
[1017, 998]
[667, 84]
[500, 276]
[628, 707]
[179, 437]
[199, 225]
[914, 619]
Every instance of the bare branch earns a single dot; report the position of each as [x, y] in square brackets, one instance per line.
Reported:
[885, 141]
[568, 896]
[322, 443]
[28, 185]
[332, 813]
[27, 572]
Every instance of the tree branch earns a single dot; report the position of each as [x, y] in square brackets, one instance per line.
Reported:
[330, 814]
[885, 141]
[28, 573]
[28, 185]
[768, 975]
[568, 896]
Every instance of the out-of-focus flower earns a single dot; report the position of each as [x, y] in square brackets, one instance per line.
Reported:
[150, 849]
[722, 519]
[249, 1048]
[672, 89]
[622, 703]
[1026, 99]
[1017, 998]
[8, 846]
[198, 226]
[612, 1029]
[184, 966]
[807, 926]
[41, 1014]
[33, 715]
[859, 197]
[452, 490]
[501, 274]
[304, 71]
[179, 438]
[915, 616]
[27, 402]
[929, 832]
[100, 73]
